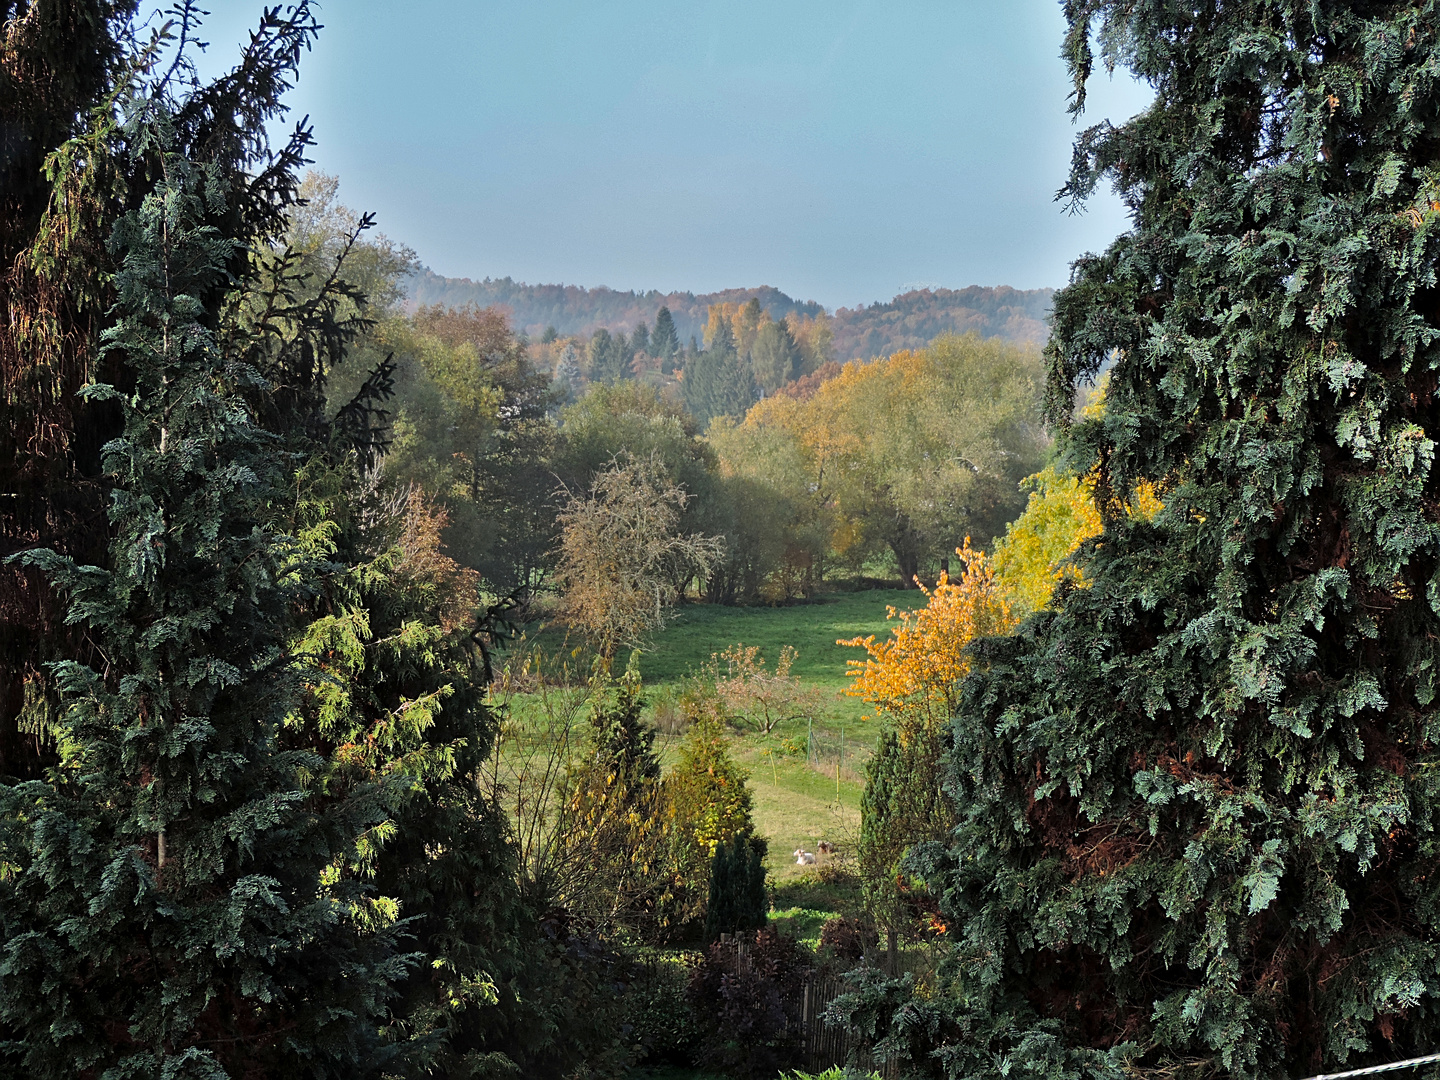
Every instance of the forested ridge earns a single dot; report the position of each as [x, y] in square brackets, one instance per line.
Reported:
[909, 321]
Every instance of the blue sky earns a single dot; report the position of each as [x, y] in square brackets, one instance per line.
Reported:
[837, 150]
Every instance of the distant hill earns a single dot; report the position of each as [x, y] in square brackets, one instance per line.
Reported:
[575, 310]
[914, 319]
[911, 320]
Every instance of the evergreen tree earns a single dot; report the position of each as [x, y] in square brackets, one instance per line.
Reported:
[775, 357]
[737, 887]
[609, 360]
[623, 353]
[724, 338]
[757, 903]
[720, 910]
[717, 381]
[664, 342]
[550, 335]
[567, 369]
[60, 61]
[1198, 799]
[176, 879]
[902, 805]
[640, 340]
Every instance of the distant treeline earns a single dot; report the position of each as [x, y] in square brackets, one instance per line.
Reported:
[909, 321]
[573, 310]
[916, 318]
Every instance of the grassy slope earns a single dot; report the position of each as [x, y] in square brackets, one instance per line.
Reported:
[795, 805]
[701, 629]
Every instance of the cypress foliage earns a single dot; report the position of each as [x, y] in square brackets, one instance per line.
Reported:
[176, 901]
[737, 887]
[902, 806]
[757, 904]
[1199, 800]
[720, 911]
[277, 748]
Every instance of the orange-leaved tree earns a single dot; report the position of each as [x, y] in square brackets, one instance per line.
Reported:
[914, 676]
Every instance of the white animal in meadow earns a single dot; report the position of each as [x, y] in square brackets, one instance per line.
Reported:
[825, 847]
[803, 857]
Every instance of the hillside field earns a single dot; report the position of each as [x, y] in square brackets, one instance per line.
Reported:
[793, 770]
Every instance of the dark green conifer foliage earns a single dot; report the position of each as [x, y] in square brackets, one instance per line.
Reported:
[57, 62]
[175, 901]
[737, 887]
[902, 806]
[640, 339]
[720, 909]
[664, 341]
[755, 913]
[718, 382]
[775, 357]
[1199, 799]
[609, 358]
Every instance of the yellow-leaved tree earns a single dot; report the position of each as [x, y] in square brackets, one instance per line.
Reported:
[1031, 559]
[913, 678]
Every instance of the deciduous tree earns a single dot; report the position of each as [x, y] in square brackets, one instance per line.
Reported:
[621, 553]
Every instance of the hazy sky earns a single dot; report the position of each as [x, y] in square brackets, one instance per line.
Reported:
[839, 151]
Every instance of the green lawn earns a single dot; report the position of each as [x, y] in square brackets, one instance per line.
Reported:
[795, 804]
[812, 629]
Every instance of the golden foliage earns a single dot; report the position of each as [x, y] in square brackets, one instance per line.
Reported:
[1029, 558]
[915, 675]
[1061, 515]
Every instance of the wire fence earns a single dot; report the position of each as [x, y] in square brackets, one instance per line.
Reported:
[831, 754]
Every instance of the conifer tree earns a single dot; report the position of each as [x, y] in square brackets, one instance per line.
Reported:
[664, 341]
[58, 61]
[737, 887]
[175, 880]
[757, 904]
[567, 368]
[775, 356]
[609, 361]
[1198, 799]
[718, 382]
[720, 910]
[640, 340]
[902, 806]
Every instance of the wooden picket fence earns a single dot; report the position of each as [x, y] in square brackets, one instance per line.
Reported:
[821, 1045]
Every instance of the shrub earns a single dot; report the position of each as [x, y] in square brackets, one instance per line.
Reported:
[747, 1014]
[660, 1022]
[847, 938]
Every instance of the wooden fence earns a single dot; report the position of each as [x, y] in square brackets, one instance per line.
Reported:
[822, 1045]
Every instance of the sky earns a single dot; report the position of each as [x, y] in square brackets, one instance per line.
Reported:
[841, 151]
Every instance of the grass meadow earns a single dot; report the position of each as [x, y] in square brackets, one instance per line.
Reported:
[806, 778]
